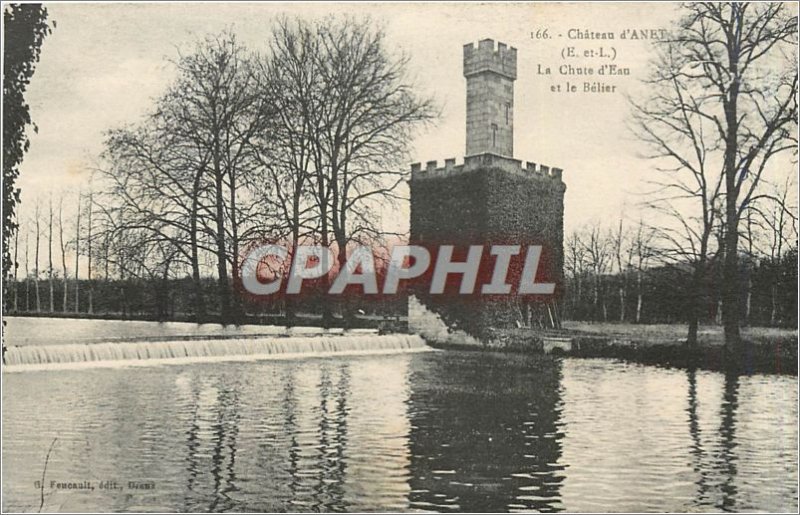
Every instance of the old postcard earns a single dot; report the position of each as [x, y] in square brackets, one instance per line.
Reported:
[385, 257]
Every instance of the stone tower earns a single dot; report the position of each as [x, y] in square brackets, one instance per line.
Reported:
[491, 198]
[490, 74]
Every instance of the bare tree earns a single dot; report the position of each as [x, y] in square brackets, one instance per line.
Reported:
[771, 228]
[728, 82]
[356, 114]
[50, 277]
[37, 220]
[89, 227]
[623, 255]
[106, 244]
[597, 244]
[154, 182]
[773, 219]
[16, 268]
[145, 254]
[367, 126]
[688, 190]
[575, 264]
[63, 247]
[219, 107]
[27, 271]
[77, 254]
[641, 246]
[188, 176]
[286, 151]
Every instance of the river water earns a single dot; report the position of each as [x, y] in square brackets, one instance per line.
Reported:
[441, 431]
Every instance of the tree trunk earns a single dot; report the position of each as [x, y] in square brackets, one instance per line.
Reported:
[695, 304]
[27, 273]
[222, 265]
[327, 315]
[105, 257]
[730, 270]
[236, 305]
[77, 255]
[639, 296]
[348, 312]
[63, 255]
[16, 269]
[89, 255]
[50, 257]
[731, 282]
[774, 304]
[639, 308]
[748, 300]
[691, 336]
[289, 299]
[36, 266]
[199, 300]
[163, 294]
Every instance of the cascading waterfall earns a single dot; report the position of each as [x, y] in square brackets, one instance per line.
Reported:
[76, 355]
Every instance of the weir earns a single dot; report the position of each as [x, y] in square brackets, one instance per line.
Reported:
[80, 355]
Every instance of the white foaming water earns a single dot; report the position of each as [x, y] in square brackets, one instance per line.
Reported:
[76, 355]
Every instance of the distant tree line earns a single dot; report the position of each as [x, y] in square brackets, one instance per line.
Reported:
[631, 274]
[151, 299]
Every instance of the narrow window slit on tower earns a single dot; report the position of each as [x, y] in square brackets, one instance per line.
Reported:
[494, 135]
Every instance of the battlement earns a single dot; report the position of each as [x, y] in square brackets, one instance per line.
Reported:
[499, 59]
[515, 166]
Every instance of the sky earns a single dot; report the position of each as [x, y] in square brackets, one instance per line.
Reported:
[104, 65]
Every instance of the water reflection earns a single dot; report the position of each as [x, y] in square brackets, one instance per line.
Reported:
[486, 434]
[212, 447]
[715, 468]
[300, 434]
[727, 458]
[647, 448]
[439, 431]
[696, 450]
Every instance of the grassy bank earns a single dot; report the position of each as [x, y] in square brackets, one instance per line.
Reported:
[769, 350]
[766, 349]
[676, 333]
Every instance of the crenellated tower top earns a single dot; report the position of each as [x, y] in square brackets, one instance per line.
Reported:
[487, 57]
